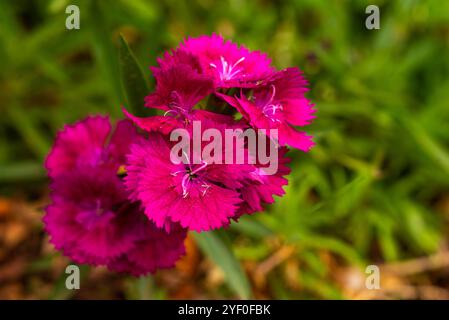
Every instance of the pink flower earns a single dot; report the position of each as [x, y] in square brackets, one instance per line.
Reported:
[279, 104]
[178, 89]
[200, 196]
[90, 218]
[83, 220]
[91, 221]
[227, 63]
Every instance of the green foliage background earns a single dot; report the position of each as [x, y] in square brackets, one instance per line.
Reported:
[369, 192]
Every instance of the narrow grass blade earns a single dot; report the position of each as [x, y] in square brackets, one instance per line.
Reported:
[133, 79]
[215, 248]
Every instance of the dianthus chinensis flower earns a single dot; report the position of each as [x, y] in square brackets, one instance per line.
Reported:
[90, 218]
[188, 77]
[200, 196]
[180, 86]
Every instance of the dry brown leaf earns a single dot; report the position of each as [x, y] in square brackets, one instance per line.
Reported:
[13, 291]
[188, 264]
[270, 263]
[12, 269]
[291, 274]
[5, 207]
[14, 233]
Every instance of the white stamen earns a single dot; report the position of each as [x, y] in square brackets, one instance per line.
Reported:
[228, 71]
[188, 175]
[168, 111]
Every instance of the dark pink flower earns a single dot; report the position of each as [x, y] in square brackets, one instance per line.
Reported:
[90, 218]
[91, 221]
[279, 104]
[178, 89]
[227, 63]
[200, 196]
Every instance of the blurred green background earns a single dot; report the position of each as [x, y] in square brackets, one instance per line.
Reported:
[375, 189]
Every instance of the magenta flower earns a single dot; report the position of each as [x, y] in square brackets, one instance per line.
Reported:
[228, 64]
[205, 195]
[200, 197]
[179, 87]
[90, 218]
[82, 219]
[279, 104]
[91, 221]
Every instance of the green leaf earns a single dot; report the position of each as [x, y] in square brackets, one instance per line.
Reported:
[133, 79]
[433, 149]
[215, 248]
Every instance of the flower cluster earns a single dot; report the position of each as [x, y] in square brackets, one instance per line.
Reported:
[119, 199]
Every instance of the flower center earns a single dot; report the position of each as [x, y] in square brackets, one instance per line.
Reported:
[121, 171]
[228, 71]
[191, 178]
